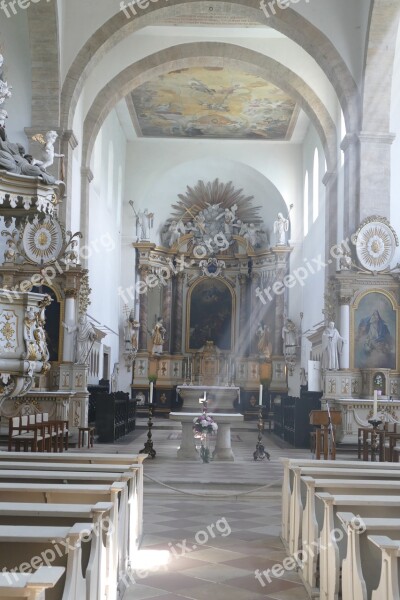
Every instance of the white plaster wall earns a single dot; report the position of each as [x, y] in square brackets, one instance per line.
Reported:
[344, 22]
[14, 45]
[308, 298]
[395, 162]
[104, 241]
[158, 170]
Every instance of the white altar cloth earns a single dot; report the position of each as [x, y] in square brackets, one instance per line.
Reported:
[223, 447]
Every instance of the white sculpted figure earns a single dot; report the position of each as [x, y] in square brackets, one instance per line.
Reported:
[85, 337]
[289, 336]
[332, 346]
[48, 153]
[144, 222]
[281, 226]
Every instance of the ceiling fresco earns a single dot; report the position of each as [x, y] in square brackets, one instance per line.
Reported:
[213, 102]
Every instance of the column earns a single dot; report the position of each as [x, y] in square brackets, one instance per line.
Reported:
[345, 331]
[351, 199]
[243, 337]
[257, 311]
[178, 314]
[167, 313]
[279, 313]
[330, 181]
[69, 319]
[375, 152]
[143, 314]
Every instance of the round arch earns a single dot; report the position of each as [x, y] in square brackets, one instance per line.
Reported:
[215, 54]
[379, 61]
[288, 22]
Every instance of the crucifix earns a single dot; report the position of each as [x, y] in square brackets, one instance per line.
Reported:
[203, 401]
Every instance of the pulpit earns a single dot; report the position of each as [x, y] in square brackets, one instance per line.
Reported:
[326, 422]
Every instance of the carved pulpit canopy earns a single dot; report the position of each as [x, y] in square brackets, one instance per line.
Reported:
[214, 215]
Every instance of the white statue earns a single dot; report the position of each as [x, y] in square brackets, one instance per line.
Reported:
[85, 337]
[281, 226]
[48, 153]
[289, 336]
[332, 346]
[114, 379]
[5, 91]
[144, 222]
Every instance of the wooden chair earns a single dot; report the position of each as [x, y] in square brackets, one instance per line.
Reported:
[324, 441]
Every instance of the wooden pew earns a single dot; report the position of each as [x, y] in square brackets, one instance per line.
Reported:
[298, 496]
[288, 480]
[135, 499]
[66, 515]
[360, 568]
[23, 548]
[129, 524]
[388, 587]
[366, 487]
[31, 586]
[57, 493]
[332, 544]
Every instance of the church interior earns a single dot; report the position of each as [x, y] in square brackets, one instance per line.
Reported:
[199, 299]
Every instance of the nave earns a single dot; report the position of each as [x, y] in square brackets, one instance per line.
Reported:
[222, 566]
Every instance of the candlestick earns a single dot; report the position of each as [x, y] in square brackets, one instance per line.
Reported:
[151, 392]
[375, 406]
[260, 396]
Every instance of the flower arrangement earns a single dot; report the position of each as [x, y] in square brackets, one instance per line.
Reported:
[204, 424]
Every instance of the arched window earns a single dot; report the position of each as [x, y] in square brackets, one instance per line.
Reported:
[342, 136]
[110, 176]
[119, 196]
[315, 185]
[305, 206]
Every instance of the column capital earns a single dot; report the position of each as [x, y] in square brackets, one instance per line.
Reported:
[70, 138]
[345, 300]
[348, 140]
[329, 178]
[377, 138]
[71, 293]
[86, 172]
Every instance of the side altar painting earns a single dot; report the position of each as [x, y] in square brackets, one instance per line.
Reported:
[375, 332]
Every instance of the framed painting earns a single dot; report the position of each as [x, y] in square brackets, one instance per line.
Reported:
[210, 315]
[374, 332]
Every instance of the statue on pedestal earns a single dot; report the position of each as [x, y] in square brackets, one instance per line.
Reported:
[158, 336]
[281, 226]
[332, 346]
[84, 340]
[289, 336]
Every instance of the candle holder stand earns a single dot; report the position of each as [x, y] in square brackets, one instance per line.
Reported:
[148, 447]
[260, 453]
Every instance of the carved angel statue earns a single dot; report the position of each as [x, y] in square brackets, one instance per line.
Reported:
[5, 91]
[281, 226]
[48, 153]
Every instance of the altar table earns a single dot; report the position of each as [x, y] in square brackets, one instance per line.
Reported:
[223, 447]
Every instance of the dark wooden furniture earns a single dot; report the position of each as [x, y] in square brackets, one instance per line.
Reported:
[90, 437]
[291, 417]
[325, 432]
[115, 416]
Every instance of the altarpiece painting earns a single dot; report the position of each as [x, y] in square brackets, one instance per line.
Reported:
[375, 332]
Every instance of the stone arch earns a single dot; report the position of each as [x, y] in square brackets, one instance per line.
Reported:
[380, 52]
[216, 54]
[46, 84]
[288, 22]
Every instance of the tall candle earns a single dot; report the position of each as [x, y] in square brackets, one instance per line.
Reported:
[375, 407]
[260, 397]
[151, 392]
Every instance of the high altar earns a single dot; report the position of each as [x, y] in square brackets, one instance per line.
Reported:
[198, 290]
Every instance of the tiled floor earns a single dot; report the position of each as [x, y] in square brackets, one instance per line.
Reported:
[198, 546]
